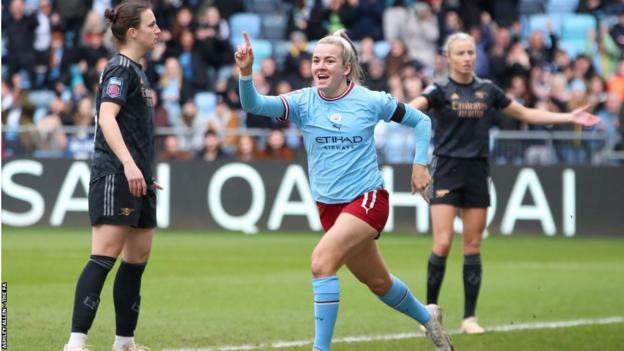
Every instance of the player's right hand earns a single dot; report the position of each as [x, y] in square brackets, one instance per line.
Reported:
[244, 56]
[136, 182]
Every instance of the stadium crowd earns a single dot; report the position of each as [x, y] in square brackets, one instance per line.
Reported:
[554, 55]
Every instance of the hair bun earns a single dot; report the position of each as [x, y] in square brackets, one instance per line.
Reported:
[111, 15]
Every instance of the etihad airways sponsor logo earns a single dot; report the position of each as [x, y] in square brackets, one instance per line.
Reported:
[339, 139]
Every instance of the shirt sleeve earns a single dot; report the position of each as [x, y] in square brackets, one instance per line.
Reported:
[261, 105]
[387, 106]
[434, 96]
[116, 85]
[499, 99]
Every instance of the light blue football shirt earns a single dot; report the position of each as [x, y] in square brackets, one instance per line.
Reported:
[338, 135]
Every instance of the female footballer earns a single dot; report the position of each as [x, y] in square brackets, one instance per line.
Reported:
[462, 106]
[337, 117]
[122, 199]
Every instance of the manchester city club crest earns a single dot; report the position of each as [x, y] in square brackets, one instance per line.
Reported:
[336, 118]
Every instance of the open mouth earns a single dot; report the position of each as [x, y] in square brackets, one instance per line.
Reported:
[322, 77]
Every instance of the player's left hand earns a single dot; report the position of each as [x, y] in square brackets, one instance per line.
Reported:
[580, 116]
[420, 180]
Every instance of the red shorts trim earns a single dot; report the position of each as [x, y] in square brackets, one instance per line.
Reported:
[371, 207]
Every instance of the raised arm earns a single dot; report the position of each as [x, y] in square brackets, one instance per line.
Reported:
[251, 101]
[579, 116]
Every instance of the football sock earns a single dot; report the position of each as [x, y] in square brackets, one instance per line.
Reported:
[88, 289]
[77, 340]
[126, 294]
[326, 301]
[401, 299]
[472, 282]
[435, 275]
[121, 341]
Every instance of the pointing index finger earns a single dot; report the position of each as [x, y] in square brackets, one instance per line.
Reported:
[246, 37]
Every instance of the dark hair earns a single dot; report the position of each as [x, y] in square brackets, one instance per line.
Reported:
[124, 16]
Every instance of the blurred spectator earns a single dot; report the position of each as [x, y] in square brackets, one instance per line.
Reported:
[194, 76]
[80, 144]
[225, 123]
[171, 150]
[298, 51]
[616, 83]
[498, 55]
[394, 16]
[610, 116]
[213, 34]
[440, 70]
[192, 128]
[50, 139]
[518, 62]
[17, 113]
[43, 41]
[171, 90]
[375, 78]
[539, 53]
[484, 41]
[298, 15]
[413, 88]
[73, 13]
[276, 148]
[420, 33]
[211, 150]
[246, 148]
[597, 92]
[617, 32]
[303, 77]
[366, 52]
[603, 51]
[365, 19]
[268, 69]
[396, 57]
[20, 31]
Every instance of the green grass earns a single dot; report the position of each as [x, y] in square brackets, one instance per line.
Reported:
[210, 289]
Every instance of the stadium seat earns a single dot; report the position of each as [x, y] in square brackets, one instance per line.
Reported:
[248, 22]
[281, 48]
[561, 6]
[274, 26]
[539, 22]
[264, 7]
[41, 98]
[575, 27]
[381, 49]
[572, 47]
[205, 102]
[531, 7]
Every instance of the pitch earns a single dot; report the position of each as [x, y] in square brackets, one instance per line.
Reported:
[230, 291]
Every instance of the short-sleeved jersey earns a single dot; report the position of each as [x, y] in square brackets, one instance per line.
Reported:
[463, 116]
[338, 137]
[123, 82]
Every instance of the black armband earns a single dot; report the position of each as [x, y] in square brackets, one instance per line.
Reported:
[399, 113]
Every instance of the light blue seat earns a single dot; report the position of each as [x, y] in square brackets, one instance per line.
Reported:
[245, 22]
[274, 26]
[206, 102]
[575, 27]
[381, 48]
[561, 6]
[572, 47]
